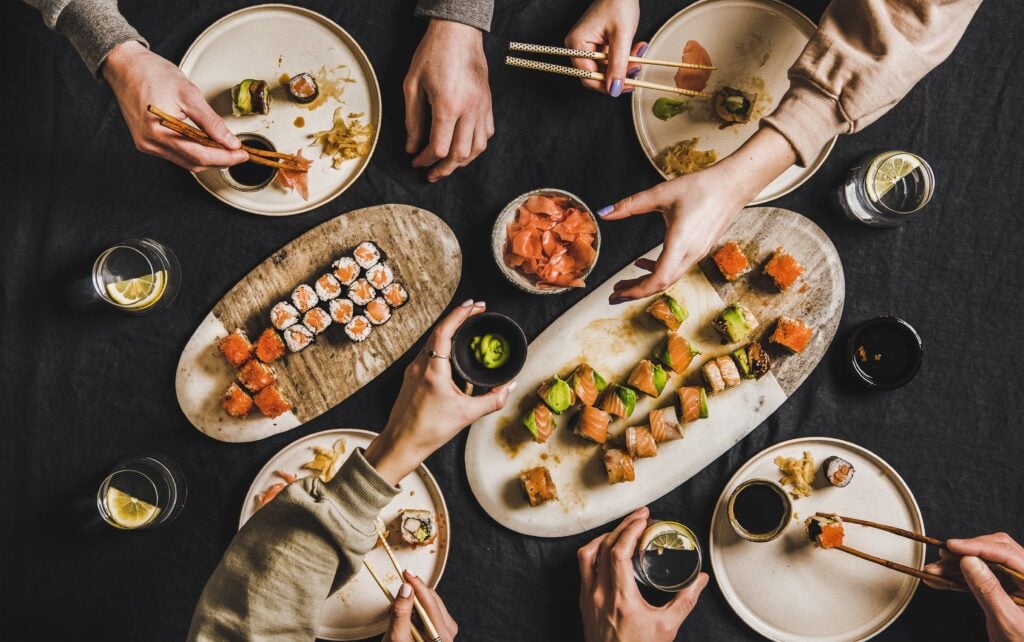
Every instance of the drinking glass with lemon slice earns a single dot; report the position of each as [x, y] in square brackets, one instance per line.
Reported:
[668, 556]
[137, 276]
[882, 189]
[142, 492]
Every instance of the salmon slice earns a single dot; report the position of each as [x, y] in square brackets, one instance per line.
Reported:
[694, 79]
[642, 378]
[618, 400]
[677, 353]
[689, 400]
[619, 466]
[587, 384]
[592, 424]
[665, 424]
[669, 311]
[539, 422]
[640, 442]
[538, 485]
[730, 373]
[262, 499]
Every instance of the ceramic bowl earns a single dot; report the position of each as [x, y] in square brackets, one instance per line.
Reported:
[906, 344]
[472, 371]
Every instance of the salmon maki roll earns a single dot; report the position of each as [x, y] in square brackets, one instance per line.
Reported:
[346, 270]
[395, 295]
[377, 311]
[694, 402]
[540, 422]
[676, 353]
[270, 346]
[619, 466]
[557, 394]
[358, 329]
[284, 315]
[792, 334]
[235, 401]
[317, 320]
[236, 348]
[304, 298]
[783, 269]
[297, 338]
[342, 310]
[731, 261]
[713, 376]
[367, 254]
[538, 485]
[649, 378]
[727, 367]
[665, 424]
[618, 400]
[327, 287]
[380, 276]
[668, 311]
[826, 532]
[256, 375]
[591, 423]
[640, 442]
[587, 383]
[361, 292]
[271, 402]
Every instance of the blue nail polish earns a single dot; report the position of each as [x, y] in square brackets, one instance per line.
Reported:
[633, 73]
[640, 52]
[606, 210]
[616, 89]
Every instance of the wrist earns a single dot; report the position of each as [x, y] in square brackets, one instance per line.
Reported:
[759, 161]
[391, 461]
[120, 60]
[439, 27]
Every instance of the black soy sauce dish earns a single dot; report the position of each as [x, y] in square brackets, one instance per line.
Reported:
[884, 353]
[464, 359]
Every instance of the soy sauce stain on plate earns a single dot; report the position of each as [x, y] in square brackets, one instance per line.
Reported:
[299, 121]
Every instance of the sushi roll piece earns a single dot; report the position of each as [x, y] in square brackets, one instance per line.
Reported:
[256, 375]
[395, 295]
[783, 269]
[730, 373]
[380, 276]
[346, 270]
[358, 329]
[619, 466]
[591, 423]
[713, 376]
[298, 337]
[734, 106]
[235, 401]
[587, 383]
[825, 530]
[327, 287]
[539, 422]
[250, 97]
[792, 334]
[676, 353]
[367, 254]
[557, 394]
[302, 88]
[731, 261]
[838, 471]
[270, 346]
[668, 311]
[735, 323]
[665, 425]
[649, 378]
[640, 443]
[304, 298]
[418, 527]
[618, 400]
[694, 402]
[317, 320]
[753, 362]
[236, 348]
[361, 292]
[341, 310]
[378, 311]
[284, 315]
[271, 402]
[538, 485]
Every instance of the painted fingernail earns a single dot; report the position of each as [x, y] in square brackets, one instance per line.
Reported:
[606, 210]
[619, 299]
[640, 52]
[633, 73]
[512, 386]
[467, 303]
[616, 89]
[405, 591]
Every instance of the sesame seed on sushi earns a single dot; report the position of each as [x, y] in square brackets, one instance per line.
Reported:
[346, 270]
[361, 292]
[342, 310]
[271, 402]
[317, 320]
[256, 375]
[538, 485]
[380, 276]
[358, 329]
[752, 360]
[378, 311]
[395, 295]
[236, 348]
[284, 315]
[327, 287]
[270, 346]
[367, 254]
[304, 298]
[235, 401]
[298, 337]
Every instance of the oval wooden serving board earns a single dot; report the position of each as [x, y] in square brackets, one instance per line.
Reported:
[425, 257]
[613, 340]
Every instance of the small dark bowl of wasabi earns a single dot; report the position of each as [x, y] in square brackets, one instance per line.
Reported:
[884, 353]
[488, 350]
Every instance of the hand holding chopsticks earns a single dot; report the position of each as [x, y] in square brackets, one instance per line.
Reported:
[576, 72]
[432, 634]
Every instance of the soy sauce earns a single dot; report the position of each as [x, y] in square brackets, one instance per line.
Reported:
[885, 353]
[250, 174]
[759, 509]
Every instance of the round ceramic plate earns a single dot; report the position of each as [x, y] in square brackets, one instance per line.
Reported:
[789, 589]
[267, 42]
[359, 609]
[753, 43]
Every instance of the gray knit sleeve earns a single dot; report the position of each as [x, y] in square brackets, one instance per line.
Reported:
[94, 27]
[476, 13]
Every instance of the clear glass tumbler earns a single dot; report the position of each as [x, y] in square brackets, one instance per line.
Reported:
[137, 276]
[142, 492]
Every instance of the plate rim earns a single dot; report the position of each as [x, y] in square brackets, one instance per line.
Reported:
[375, 97]
[713, 552]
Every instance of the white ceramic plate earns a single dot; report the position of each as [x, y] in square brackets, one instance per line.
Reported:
[753, 43]
[790, 589]
[359, 609]
[264, 42]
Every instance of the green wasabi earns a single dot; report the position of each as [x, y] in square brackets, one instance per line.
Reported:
[490, 350]
[665, 108]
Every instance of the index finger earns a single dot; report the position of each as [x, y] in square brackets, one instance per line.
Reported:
[609, 542]
[441, 340]
[586, 556]
[622, 555]
[429, 601]
[585, 63]
[442, 129]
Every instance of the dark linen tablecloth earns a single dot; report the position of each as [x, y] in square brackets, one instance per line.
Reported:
[80, 391]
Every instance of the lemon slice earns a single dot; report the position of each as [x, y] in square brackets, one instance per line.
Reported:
[670, 536]
[889, 171]
[128, 512]
[138, 293]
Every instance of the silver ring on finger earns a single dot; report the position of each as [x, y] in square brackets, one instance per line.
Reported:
[435, 355]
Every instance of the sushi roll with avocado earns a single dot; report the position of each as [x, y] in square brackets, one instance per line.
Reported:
[250, 97]
[304, 298]
[668, 311]
[735, 323]
[377, 311]
[557, 394]
[825, 530]
[618, 400]
[380, 276]
[284, 315]
[367, 254]
[753, 362]
[649, 378]
[395, 295]
[694, 402]
[734, 106]
[587, 383]
[591, 423]
[676, 353]
[358, 329]
[346, 270]
[317, 320]
[838, 471]
[327, 287]
[297, 337]
[418, 527]
[341, 310]
[539, 422]
[361, 292]
[302, 88]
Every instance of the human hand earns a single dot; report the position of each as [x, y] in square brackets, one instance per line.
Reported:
[140, 78]
[430, 408]
[608, 25]
[612, 607]
[448, 74]
[965, 561]
[400, 626]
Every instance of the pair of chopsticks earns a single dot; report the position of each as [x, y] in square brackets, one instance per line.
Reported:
[574, 72]
[924, 539]
[258, 156]
[428, 624]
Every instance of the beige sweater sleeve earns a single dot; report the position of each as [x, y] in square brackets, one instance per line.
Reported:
[865, 56]
[287, 559]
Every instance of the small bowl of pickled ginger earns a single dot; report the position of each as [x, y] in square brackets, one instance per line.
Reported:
[546, 241]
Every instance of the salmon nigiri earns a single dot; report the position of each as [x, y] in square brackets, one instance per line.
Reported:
[640, 442]
[618, 400]
[619, 466]
[694, 79]
[677, 353]
[592, 423]
[649, 378]
[539, 422]
[587, 383]
[694, 402]
[665, 424]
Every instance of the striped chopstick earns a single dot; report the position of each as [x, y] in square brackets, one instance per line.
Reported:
[573, 72]
[428, 624]
[597, 55]
[416, 635]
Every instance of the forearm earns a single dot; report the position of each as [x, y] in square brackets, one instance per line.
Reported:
[94, 27]
[476, 13]
[759, 161]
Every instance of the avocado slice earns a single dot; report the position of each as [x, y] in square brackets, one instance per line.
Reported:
[557, 394]
[242, 97]
[704, 414]
[660, 378]
[733, 323]
[739, 355]
[678, 311]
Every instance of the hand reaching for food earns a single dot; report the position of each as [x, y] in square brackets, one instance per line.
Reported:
[608, 25]
[140, 78]
[448, 77]
[964, 560]
[400, 626]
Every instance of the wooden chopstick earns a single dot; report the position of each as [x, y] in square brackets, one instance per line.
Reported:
[427, 622]
[416, 636]
[598, 55]
[573, 72]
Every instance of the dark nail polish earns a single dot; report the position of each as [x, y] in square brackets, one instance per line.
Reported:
[633, 73]
[616, 88]
[617, 300]
[606, 210]
[640, 52]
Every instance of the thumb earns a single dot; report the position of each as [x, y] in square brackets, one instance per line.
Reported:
[619, 46]
[400, 628]
[987, 589]
[639, 203]
[196, 108]
[493, 401]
